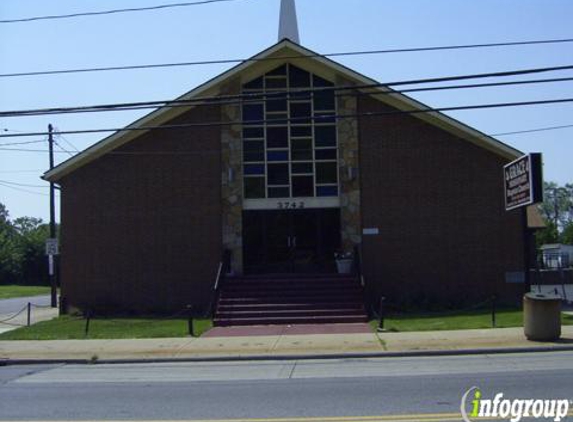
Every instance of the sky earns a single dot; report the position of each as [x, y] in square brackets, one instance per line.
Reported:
[239, 29]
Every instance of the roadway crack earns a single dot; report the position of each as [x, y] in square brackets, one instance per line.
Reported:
[294, 365]
[30, 372]
[279, 337]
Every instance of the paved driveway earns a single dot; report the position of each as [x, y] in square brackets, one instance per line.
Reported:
[9, 307]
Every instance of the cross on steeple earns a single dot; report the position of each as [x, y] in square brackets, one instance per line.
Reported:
[288, 27]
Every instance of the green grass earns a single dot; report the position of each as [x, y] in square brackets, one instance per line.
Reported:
[11, 290]
[71, 327]
[457, 321]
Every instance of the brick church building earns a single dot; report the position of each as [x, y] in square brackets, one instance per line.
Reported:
[282, 161]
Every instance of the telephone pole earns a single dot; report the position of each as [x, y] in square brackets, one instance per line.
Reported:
[51, 254]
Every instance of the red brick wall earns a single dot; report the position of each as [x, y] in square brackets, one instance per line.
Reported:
[438, 202]
[142, 232]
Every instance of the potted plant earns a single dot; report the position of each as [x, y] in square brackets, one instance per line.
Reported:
[343, 262]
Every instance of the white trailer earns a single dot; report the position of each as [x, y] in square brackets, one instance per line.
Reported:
[555, 256]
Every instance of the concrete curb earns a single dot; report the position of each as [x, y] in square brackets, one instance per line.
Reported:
[316, 356]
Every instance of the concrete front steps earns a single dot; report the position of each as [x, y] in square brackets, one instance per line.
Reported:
[284, 299]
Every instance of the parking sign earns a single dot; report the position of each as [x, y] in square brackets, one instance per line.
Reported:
[52, 247]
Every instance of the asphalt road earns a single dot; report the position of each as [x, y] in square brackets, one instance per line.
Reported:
[347, 390]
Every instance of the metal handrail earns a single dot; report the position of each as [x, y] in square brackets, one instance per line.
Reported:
[357, 264]
[359, 275]
[222, 270]
[218, 279]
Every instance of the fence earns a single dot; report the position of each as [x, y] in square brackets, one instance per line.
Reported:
[25, 316]
[32, 313]
[386, 309]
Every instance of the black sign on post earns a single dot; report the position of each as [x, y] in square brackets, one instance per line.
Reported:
[523, 181]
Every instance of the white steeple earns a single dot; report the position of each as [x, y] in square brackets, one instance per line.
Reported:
[288, 27]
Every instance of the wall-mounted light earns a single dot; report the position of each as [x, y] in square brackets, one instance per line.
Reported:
[352, 173]
[230, 175]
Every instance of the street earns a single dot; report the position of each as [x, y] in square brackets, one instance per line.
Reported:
[421, 389]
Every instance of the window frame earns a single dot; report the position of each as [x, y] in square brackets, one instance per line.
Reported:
[312, 123]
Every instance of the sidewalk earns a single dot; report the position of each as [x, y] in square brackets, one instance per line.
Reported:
[283, 346]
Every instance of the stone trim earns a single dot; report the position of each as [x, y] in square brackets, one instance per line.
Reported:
[232, 178]
[348, 145]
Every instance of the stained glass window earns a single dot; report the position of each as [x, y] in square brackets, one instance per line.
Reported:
[290, 147]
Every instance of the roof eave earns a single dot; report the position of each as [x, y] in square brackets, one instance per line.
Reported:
[404, 103]
[156, 117]
[395, 99]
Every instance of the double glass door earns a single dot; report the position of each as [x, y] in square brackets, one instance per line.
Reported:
[290, 241]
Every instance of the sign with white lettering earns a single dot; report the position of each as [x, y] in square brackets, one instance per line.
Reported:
[523, 182]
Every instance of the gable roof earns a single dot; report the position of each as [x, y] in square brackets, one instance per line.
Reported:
[265, 61]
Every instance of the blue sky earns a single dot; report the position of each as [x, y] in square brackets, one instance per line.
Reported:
[242, 28]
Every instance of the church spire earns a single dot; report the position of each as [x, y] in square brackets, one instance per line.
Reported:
[288, 27]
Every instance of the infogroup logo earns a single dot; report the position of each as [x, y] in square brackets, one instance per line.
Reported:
[513, 409]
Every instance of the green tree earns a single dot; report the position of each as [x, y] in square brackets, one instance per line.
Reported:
[9, 261]
[557, 206]
[22, 258]
[569, 210]
[548, 235]
[3, 213]
[557, 211]
[31, 240]
[567, 234]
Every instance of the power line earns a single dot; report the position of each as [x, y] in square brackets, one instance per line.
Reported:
[23, 190]
[5, 129]
[21, 143]
[303, 56]
[114, 11]
[203, 151]
[246, 98]
[74, 148]
[484, 85]
[231, 99]
[541, 129]
[23, 184]
[23, 171]
[304, 119]
[29, 150]
[63, 149]
[518, 132]
[185, 152]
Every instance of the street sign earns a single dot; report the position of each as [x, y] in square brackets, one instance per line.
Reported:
[523, 181]
[52, 247]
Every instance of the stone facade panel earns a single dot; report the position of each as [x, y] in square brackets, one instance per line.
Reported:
[232, 177]
[350, 212]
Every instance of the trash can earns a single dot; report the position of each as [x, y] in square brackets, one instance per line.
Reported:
[542, 317]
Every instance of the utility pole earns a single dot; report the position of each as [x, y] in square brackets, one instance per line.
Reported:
[51, 252]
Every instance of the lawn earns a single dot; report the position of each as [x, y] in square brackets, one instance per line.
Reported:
[457, 321]
[71, 327]
[11, 290]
